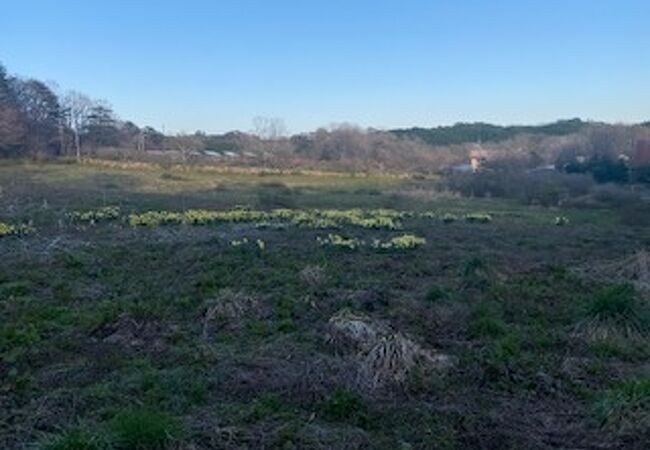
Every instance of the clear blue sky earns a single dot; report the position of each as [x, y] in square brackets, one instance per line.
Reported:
[214, 65]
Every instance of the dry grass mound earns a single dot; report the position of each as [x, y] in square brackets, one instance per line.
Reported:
[351, 331]
[228, 309]
[391, 359]
[386, 357]
[127, 332]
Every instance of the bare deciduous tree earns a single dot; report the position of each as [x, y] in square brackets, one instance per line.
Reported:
[77, 108]
[271, 131]
[270, 128]
[187, 144]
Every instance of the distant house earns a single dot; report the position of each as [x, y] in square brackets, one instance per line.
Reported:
[642, 153]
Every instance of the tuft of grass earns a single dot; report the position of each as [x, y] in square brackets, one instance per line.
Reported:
[144, 429]
[613, 302]
[616, 310]
[625, 406]
[344, 405]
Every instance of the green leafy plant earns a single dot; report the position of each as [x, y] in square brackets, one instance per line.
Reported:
[336, 240]
[7, 229]
[405, 241]
[92, 216]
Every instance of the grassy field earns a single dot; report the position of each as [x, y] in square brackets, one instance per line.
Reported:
[312, 311]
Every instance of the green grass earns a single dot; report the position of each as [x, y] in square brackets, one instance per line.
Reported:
[625, 406]
[486, 322]
[129, 429]
[78, 438]
[144, 429]
[343, 405]
[105, 324]
[618, 308]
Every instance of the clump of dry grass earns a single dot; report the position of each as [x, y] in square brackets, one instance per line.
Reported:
[228, 307]
[313, 275]
[128, 332]
[392, 358]
[386, 357]
[348, 330]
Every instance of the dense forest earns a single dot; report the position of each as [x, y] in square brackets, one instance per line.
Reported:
[485, 132]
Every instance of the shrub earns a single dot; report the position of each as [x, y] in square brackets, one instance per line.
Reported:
[642, 174]
[546, 188]
[606, 170]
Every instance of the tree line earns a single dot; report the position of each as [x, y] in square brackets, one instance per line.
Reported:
[35, 119]
[38, 119]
